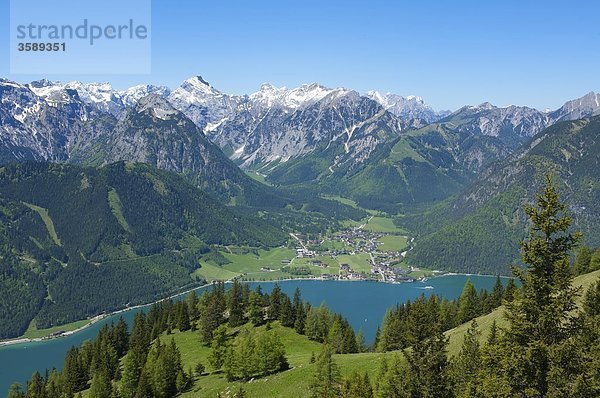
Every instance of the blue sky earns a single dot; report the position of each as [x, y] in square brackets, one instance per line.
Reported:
[451, 53]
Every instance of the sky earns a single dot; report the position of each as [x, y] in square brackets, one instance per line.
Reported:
[451, 53]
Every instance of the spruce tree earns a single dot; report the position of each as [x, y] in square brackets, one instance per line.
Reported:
[236, 304]
[15, 391]
[101, 386]
[286, 312]
[256, 311]
[582, 261]
[35, 386]
[468, 303]
[497, 294]
[466, 365]
[542, 314]
[327, 378]
[218, 348]
[360, 341]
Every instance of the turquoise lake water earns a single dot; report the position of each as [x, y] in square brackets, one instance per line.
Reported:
[362, 303]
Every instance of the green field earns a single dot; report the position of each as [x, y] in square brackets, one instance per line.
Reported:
[331, 244]
[382, 224]
[250, 262]
[393, 243]
[33, 332]
[360, 262]
[212, 272]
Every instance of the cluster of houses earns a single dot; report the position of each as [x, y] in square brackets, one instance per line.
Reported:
[355, 241]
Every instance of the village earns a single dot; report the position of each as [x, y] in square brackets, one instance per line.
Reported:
[380, 261]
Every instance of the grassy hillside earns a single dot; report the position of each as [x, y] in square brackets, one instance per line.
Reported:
[292, 383]
[295, 382]
[456, 335]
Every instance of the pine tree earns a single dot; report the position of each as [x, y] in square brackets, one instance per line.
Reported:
[183, 318]
[212, 309]
[582, 261]
[427, 363]
[236, 304]
[286, 313]
[144, 388]
[119, 337]
[218, 348]
[497, 294]
[541, 316]
[256, 311]
[35, 386]
[15, 391]
[468, 303]
[466, 365]
[360, 341]
[132, 370]
[511, 290]
[192, 304]
[300, 317]
[326, 380]
[275, 302]
[392, 380]
[73, 375]
[101, 386]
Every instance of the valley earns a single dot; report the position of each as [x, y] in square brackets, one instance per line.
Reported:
[148, 193]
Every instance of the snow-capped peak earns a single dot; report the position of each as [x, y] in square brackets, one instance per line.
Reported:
[133, 94]
[291, 99]
[410, 107]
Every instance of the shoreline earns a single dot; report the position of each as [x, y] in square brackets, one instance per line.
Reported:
[97, 318]
[91, 321]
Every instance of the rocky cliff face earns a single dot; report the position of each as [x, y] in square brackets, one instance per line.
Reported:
[49, 129]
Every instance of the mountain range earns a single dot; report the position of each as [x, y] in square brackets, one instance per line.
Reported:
[310, 138]
[142, 181]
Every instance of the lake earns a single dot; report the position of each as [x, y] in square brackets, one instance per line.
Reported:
[362, 303]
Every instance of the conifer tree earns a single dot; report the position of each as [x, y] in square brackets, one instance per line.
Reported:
[582, 261]
[256, 311]
[286, 312]
[327, 378]
[236, 304]
[360, 341]
[541, 316]
[144, 388]
[35, 386]
[73, 375]
[511, 290]
[101, 386]
[275, 302]
[466, 365]
[15, 391]
[497, 294]
[468, 303]
[218, 348]
[428, 364]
